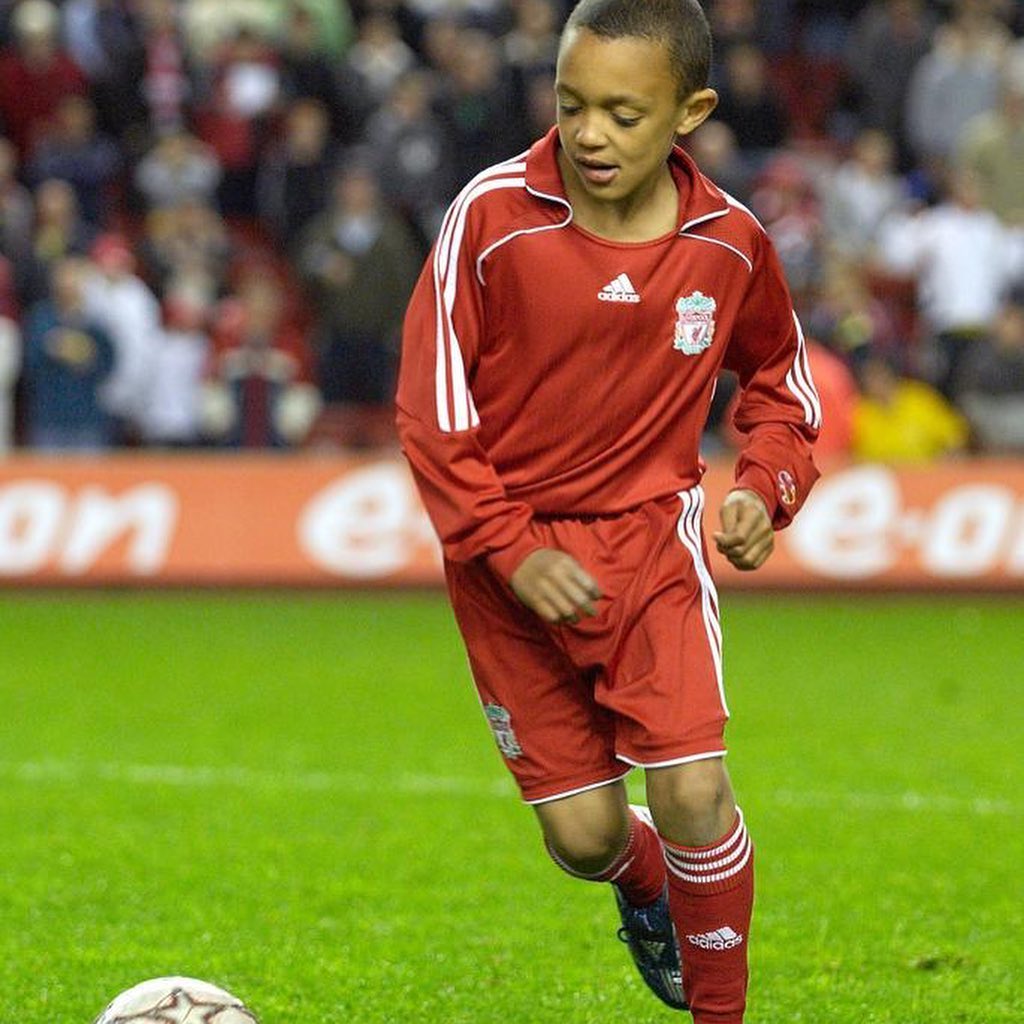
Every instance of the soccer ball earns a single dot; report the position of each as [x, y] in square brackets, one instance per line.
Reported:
[176, 1001]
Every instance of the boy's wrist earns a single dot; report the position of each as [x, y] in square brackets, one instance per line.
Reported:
[506, 560]
[747, 494]
[758, 480]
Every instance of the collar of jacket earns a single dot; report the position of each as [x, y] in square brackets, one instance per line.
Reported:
[702, 200]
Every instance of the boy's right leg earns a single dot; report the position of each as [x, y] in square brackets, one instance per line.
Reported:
[598, 837]
[559, 743]
[595, 836]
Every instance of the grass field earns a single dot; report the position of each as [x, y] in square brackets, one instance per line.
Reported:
[296, 796]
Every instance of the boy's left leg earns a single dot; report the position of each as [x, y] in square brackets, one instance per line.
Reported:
[710, 863]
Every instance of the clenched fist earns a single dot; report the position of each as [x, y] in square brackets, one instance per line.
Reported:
[555, 586]
[746, 537]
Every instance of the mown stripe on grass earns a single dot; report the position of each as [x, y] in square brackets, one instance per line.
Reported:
[238, 777]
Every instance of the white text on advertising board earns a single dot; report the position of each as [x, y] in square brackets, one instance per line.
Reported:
[367, 525]
[859, 523]
[44, 523]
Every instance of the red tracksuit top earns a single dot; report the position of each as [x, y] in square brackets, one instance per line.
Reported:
[548, 372]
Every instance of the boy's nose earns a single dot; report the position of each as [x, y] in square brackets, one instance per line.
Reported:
[589, 133]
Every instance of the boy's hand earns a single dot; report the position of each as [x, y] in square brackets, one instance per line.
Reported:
[746, 537]
[555, 586]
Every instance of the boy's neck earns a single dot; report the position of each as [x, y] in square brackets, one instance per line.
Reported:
[650, 213]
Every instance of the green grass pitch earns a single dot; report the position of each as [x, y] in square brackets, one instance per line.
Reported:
[295, 796]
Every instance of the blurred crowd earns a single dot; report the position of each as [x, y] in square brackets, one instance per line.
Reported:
[212, 212]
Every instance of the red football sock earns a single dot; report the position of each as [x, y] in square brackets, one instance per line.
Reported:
[711, 896]
[639, 871]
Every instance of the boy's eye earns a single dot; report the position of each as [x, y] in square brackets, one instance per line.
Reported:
[625, 122]
[568, 108]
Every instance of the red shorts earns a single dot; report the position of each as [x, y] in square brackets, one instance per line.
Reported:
[572, 707]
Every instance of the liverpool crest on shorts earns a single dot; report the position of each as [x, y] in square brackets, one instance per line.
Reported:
[500, 722]
[695, 323]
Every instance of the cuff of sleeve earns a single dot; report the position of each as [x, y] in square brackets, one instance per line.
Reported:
[505, 561]
[757, 479]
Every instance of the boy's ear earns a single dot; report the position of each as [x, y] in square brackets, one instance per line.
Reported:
[695, 110]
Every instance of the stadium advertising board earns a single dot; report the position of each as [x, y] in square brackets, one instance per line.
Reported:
[318, 521]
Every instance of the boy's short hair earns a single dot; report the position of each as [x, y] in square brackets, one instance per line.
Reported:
[680, 25]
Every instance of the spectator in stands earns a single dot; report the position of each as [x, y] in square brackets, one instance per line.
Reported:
[956, 80]
[898, 419]
[235, 118]
[748, 105]
[862, 193]
[104, 37]
[849, 319]
[171, 411]
[75, 152]
[359, 263]
[440, 42]
[164, 76]
[411, 153]
[332, 22]
[714, 148]
[487, 15]
[475, 97]
[15, 206]
[888, 40]
[177, 169]
[308, 72]
[379, 57]
[733, 23]
[10, 355]
[990, 384]
[58, 231]
[295, 176]
[785, 200]
[190, 238]
[123, 305]
[208, 22]
[35, 74]
[821, 27]
[531, 45]
[993, 146]
[964, 260]
[208, 26]
[98, 34]
[260, 391]
[68, 357]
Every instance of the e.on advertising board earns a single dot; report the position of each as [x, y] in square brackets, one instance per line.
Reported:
[315, 521]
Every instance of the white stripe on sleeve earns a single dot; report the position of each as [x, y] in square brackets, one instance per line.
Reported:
[455, 408]
[800, 382]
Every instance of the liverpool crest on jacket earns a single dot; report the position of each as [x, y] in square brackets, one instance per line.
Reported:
[695, 323]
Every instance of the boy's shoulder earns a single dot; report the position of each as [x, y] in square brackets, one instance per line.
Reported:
[713, 213]
[517, 194]
[495, 194]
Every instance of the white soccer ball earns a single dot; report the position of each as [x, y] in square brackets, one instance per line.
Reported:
[176, 1001]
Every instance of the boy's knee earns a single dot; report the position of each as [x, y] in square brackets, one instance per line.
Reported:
[585, 834]
[692, 804]
[586, 848]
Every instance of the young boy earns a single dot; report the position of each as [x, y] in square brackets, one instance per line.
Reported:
[559, 358]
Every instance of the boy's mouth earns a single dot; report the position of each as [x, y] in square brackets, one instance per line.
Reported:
[597, 172]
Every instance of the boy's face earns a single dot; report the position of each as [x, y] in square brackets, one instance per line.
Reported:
[619, 112]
